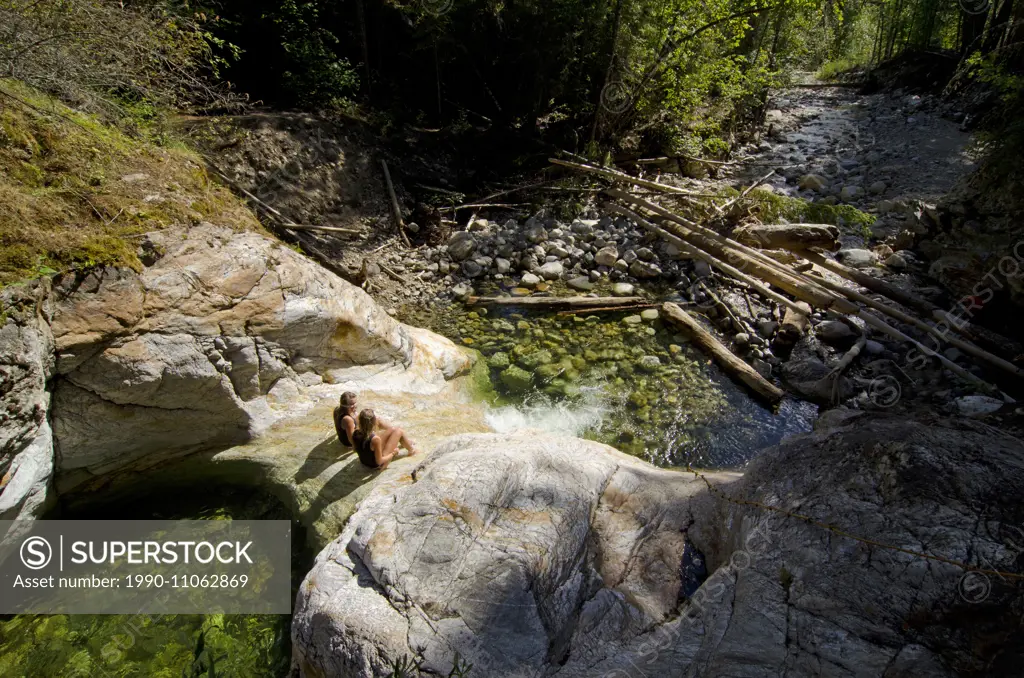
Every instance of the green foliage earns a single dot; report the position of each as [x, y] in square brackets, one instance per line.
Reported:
[114, 58]
[312, 74]
[771, 207]
[288, 51]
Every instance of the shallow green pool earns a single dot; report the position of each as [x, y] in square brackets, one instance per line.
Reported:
[160, 646]
[622, 378]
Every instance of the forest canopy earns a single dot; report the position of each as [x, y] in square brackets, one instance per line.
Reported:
[669, 75]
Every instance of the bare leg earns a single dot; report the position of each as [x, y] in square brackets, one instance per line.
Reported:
[400, 438]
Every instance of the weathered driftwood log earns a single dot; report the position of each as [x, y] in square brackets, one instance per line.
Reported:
[872, 283]
[557, 303]
[621, 177]
[877, 323]
[795, 324]
[743, 257]
[802, 287]
[948, 337]
[698, 253]
[792, 237]
[731, 364]
[395, 209]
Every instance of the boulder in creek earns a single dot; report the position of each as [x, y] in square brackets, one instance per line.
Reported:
[551, 270]
[606, 256]
[806, 375]
[542, 555]
[834, 332]
[208, 346]
[813, 182]
[857, 258]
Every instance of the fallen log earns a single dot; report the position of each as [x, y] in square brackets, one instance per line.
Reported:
[795, 324]
[395, 210]
[622, 177]
[724, 309]
[741, 256]
[792, 237]
[557, 303]
[332, 229]
[832, 300]
[872, 283]
[964, 346]
[730, 363]
[601, 309]
[698, 253]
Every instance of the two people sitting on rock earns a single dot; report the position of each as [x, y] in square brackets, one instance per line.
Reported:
[376, 442]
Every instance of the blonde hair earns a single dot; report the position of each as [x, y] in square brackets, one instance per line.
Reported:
[367, 422]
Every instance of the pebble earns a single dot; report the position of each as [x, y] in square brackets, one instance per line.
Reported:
[632, 320]
[529, 280]
[582, 284]
[649, 314]
[742, 339]
[622, 289]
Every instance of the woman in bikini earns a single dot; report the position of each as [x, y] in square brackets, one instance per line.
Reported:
[377, 449]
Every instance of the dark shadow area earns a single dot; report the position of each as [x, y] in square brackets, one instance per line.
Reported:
[328, 452]
[348, 479]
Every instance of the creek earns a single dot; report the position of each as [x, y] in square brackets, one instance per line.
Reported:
[618, 378]
[168, 645]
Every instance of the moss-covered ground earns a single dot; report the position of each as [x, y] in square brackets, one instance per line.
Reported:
[76, 193]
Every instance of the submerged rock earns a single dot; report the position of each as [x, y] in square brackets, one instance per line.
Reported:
[516, 379]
